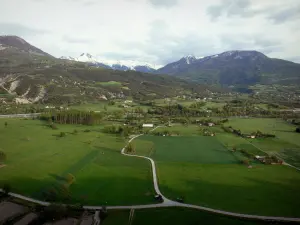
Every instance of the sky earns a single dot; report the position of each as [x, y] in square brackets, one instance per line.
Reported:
[155, 31]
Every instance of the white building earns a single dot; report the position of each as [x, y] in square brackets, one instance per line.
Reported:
[149, 125]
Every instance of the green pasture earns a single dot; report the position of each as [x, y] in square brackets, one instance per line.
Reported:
[38, 160]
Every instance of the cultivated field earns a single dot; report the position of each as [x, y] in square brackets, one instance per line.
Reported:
[286, 144]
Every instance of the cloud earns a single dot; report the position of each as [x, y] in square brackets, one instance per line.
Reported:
[75, 39]
[7, 28]
[287, 14]
[278, 13]
[163, 3]
[231, 8]
[142, 30]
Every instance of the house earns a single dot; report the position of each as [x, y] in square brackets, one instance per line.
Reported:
[251, 136]
[149, 125]
[210, 124]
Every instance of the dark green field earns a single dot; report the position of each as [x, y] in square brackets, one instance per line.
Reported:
[174, 216]
[192, 149]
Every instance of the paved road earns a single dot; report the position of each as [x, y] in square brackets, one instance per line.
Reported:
[166, 202]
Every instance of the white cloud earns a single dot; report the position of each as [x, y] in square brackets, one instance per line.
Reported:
[154, 31]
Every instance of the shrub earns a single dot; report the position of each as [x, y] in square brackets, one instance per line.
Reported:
[75, 131]
[62, 134]
[5, 124]
[298, 129]
[87, 130]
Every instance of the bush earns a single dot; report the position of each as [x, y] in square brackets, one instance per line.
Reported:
[75, 131]
[53, 126]
[298, 129]
[87, 130]
[130, 148]
[62, 134]
[6, 188]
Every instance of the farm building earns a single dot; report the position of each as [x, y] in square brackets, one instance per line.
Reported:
[149, 125]
[210, 124]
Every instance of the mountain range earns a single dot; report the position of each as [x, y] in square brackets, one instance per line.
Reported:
[122, 65]
[30, 75]
[230, 68]
[29, 72]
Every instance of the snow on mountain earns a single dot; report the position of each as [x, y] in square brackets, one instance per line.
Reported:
[123, 65]
[86, 57]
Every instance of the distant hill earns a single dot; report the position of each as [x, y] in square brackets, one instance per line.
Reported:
[234, 68]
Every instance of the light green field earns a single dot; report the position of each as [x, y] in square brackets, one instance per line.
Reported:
[38, 160]
[202, 171]
[189, 130]
[206, 150]
[110, 83]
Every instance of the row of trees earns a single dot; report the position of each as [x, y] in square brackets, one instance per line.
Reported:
[73, 117]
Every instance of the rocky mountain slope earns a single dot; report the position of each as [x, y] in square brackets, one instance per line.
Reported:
[234, 68]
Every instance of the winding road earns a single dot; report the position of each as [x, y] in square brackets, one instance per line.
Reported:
[166, 202]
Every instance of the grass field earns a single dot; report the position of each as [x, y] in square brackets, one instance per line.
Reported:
[174, 216]
[38, 161]
[110, 83]
[202, 171]
[189, 149]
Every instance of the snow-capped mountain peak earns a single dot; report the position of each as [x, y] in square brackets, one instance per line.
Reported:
[86, 57]
[189, 59]
[123, 65]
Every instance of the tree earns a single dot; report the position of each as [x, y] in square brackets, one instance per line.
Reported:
[70, 178]
[298, 129]
[5, 124]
